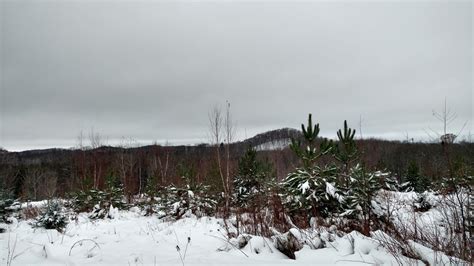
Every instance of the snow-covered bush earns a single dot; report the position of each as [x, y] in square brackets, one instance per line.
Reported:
[363, 188]
[177, 201]
[149, 198]
[101, 212]
[99, 201]
[312, 190]
[6, 201]
[289, 242]
[53, 217]
[252, 182]
[422, 204]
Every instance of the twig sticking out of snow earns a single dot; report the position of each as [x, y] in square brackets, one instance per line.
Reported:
[11, 250]
[186, 249]
[179, 252]
[80, 242]
[151, 232]
[359, 261]
[332, 246]
[178, 249]
[176, 235]
[226, 240]
[351, 240]
[271, 250]
[45, 252]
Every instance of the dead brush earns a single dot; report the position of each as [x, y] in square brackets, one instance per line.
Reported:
[260, 218]
[30, 212]
[255, 223]
[443, 236]
[399, 248]
[447, 236]
[263, 219]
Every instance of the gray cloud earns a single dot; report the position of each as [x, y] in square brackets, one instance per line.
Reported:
[152, 70]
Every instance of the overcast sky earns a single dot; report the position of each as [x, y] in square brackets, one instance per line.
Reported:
[152, 70]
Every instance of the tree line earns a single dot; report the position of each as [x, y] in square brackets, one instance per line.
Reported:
[36, 175]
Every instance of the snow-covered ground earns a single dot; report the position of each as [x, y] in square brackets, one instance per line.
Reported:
[134, 239]
[279, 144]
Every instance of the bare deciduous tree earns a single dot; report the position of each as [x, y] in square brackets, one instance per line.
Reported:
[455, 180]
[33, 178]
[229, 128]
[222, 130]
[164, 162]
[80, 141]
[95, 139]
[127, 159]
[50, 185]
[446, 117]
[215, 131]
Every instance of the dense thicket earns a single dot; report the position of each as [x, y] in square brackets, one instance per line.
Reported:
[34, 175]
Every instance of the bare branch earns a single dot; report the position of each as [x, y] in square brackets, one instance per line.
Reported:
[95, 139]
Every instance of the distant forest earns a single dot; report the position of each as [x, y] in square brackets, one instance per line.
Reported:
[40, 174]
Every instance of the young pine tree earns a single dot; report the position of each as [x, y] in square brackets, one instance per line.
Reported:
[312, 187]
[345, 152]
[364, 186]
[151, 190]
[54, 217]
[416, 181]
[252, 179]
[252, 190]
